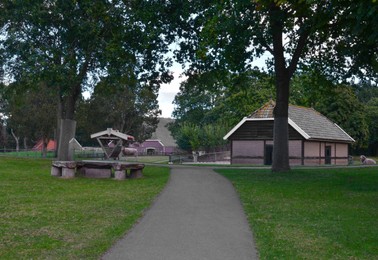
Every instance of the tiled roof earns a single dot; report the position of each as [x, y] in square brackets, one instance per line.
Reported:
[266, 111]
[308, 121]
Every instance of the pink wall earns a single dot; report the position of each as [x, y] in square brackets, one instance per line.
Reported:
[342, 151]
[252, 152]
[295, 152]
[312, 149]
[245, 152]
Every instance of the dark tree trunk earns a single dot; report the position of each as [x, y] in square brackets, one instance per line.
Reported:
[283, 75]
[67, 132]
[281, 129]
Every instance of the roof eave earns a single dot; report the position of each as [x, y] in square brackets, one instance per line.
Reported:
[245, 119]
[298, 129]
[352, 140]
[331, 140]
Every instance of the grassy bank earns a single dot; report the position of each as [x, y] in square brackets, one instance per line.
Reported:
[311, 214]
[46, 217]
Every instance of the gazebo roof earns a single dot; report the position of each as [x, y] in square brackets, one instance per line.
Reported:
[108, 133]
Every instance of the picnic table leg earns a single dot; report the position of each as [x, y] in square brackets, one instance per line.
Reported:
[56, 171]
[68, 172]
[136, 173]
[119, 174]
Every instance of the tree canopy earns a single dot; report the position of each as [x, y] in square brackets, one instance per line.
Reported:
[221, 96]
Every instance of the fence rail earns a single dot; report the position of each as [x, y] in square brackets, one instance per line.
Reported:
[218, 157]
[26, 153]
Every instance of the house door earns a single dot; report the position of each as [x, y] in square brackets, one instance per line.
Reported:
[151, 151]
[328, 154]
[268, 157]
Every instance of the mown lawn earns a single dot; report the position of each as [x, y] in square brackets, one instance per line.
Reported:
[311, 214]
[44, 217]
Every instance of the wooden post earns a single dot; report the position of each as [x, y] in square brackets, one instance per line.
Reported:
[119, 174]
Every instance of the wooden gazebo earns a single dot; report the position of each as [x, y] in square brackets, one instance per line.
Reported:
[111, 142]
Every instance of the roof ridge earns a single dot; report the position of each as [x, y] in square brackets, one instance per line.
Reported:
[291, 105]
[266, 105]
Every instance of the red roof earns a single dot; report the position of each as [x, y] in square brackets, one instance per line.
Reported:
[50, 146]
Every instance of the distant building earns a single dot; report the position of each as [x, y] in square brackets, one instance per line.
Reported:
[161, 141]
[51, 146]
[313, 138]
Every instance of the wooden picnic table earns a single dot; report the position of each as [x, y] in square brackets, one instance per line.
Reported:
[97, 169]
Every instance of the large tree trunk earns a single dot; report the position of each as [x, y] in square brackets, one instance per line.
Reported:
[67, 132]
[67, 106]
[283, 75]
[67, 126]
[281, 128]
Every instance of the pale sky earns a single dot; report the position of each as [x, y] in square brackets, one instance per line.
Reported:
[168, 92]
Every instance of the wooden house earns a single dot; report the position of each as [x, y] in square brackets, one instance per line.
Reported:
[313, 138]
[161, 141]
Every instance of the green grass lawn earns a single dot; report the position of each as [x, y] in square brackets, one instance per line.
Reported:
[160, 159]
[311, 214]
[44, 217]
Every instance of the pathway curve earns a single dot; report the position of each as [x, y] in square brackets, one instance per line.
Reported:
[197, 216]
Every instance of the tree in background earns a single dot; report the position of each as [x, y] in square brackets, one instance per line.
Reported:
[372, 117]
[342, 106]
[368, 95]
[219, 96]
[68, 44]
[29, 114]
[189, 137]
[125, 105]
[3, 105]
[193, 138]
[230, 34]
[338, 102]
